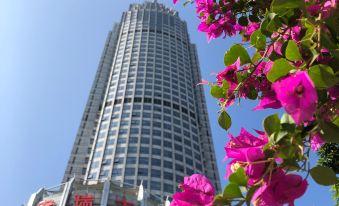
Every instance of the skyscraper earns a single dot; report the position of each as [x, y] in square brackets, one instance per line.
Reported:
[145, 118]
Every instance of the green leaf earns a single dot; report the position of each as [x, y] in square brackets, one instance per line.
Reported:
[263, 27]
[336, 121]
[225, 86]
[274, 56]
[307, 40]
[288, 151]
[291, 164]
[327, 41]
[258, 40]
[286, 118]
[234, 53]
[274, 23]
[272, 124]
[330, 132]
[290, 128]
[243, 21]
[225, 120]
[256, 57]
[220, 200]
[217, 92]
[292, 51]
[282, 5]
[323, 175]
[239, 177]
[279, 136]
[322, 76]
[252, 94]
[232, 191]
[280, 68]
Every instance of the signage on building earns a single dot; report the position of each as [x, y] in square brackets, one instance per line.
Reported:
[123, 202]
[83, 200]
[47, 203]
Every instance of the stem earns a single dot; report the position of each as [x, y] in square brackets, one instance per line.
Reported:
[257, 162]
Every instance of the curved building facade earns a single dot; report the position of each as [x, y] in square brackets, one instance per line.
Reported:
[145, 119]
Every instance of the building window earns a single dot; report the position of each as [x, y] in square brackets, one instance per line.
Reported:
[155, 185]
[130, 172]
[143, 160]
[117, 172]
[120, 150]
[144, 150]
[155, 173]
[131, 160]
[143, 171]
[168, 164]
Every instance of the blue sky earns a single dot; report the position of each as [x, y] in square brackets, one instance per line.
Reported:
[49, 52]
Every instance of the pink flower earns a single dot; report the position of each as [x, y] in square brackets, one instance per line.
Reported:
[333, 93]
[215, 21]
[314, 9]
[328, 7]
[276, 47]
[238, 145]
[324, 57]
[316, 141]
[292, 33]
[196, 190]
[245, 149]
[229, 74]
[245, 159]
[324, 8]
[247, 30]
[269, 100]
[213, 30]
[205, 6]
[282, 189]
[203, 82]
[175, 1]
[297, 95]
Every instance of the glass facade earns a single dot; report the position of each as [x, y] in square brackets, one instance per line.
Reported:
[152, 122]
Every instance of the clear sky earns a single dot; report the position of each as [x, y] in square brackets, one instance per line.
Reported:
[49, 53]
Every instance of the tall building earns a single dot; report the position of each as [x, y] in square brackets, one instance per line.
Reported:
[145, 118]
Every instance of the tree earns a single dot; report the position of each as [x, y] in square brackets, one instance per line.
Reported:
[294, 68]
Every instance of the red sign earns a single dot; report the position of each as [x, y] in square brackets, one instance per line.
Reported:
[123, 202]
[46, 203]
[83, 200]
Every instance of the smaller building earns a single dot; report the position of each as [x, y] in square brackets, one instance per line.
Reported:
[107, 193]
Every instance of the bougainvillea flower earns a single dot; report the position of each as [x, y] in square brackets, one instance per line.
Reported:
[314, 9]
[328, 7]
[324, 57]
[333, 93]
[250, 28]
[268, 100]
[282, 189]
[205, 6]
[236, 146]
[229, 74]
[245, 149]
[175, 1]
[212, 31]
[196, 190]
[203, 81]
[297, 95]
[316, 141]
[245, 159]
[324, 8]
